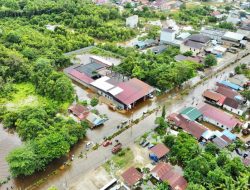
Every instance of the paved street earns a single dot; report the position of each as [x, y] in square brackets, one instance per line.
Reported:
[96, 158]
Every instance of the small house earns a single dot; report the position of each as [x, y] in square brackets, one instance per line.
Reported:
[165, 172]
[214, 97]
[159, 151]
[131, 177]
[195, 43]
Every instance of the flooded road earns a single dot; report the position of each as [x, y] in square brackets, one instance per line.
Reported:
[174, 103]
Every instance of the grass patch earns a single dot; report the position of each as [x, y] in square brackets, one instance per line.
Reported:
[25, 95]
[121, 160]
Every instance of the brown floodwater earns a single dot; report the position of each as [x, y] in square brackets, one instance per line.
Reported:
[8, 141]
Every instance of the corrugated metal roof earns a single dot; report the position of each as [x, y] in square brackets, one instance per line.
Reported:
[191, 112]
[133, 90]
[231, 85]
[219, 116]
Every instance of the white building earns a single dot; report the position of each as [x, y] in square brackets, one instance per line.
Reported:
[167, 35]
[132, 21]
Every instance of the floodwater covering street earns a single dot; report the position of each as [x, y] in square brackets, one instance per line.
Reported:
[70, 176]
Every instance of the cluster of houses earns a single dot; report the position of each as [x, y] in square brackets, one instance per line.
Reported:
[162, 171]
[120, 92]
[226, 98]
[83, 113]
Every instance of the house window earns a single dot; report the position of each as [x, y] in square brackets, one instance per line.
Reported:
[217, 123]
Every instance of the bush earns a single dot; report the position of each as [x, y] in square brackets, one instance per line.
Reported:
[94, 102]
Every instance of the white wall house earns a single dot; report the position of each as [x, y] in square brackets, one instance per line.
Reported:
[167, 35]
[233, 110]
[132, 21]
[216, 123]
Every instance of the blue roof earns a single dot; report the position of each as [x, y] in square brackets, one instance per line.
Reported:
[231, 85]
[229, 135]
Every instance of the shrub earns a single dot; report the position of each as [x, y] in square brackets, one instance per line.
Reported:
[94, 102]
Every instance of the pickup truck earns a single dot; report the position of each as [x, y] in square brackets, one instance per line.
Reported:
[116, 148]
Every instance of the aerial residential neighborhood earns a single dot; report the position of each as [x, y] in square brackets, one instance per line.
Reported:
[124, 95]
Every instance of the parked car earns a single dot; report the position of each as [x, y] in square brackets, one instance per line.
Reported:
[247, 145]
[116, 148]
[150, 146]
[106, 143]
[145, 144]
[142, 141]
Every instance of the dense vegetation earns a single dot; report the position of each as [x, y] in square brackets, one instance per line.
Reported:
[196, 16]
[46, 137]
[159, 70]
[208, 169]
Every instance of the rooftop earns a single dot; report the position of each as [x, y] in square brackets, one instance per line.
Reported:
[231, 85]
[220, 142]
[199, 38]
[165, 172]
[168, 30]
[214, 96]
[219, 116]
[228, 92]
[194, 44]
[80, 111]
[191, 113]
[233, 36]
[192, 127]
[131, 176]
[231, 103]
[160, 150]
[239, 80]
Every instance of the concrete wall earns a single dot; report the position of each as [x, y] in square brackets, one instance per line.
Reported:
[236, 111]
[167, 36]
[209, 120]
[184, 48]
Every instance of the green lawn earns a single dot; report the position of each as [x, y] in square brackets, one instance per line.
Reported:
[25, 95]
[120, 161]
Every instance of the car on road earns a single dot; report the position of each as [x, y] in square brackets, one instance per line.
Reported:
[116, 148]
[142, 141]
[106, 143]
[145, 144]
[150, 146]
[88, 145]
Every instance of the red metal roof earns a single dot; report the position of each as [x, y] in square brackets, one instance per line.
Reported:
[228, 92]
[192, 127]
[80, 76]
[80, 111]
[131, 176]
[165, 172]
[219, 116]
[133, 90]
[214, 96]
[160, 150]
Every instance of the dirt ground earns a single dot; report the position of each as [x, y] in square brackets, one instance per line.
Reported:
[93, 180]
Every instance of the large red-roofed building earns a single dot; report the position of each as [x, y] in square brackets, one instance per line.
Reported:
[131, 176]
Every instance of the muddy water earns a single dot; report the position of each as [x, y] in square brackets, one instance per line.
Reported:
[8, 141]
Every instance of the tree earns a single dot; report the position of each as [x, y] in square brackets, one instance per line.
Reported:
[94, 102]
[22, 161]
[169, 141]
[162, 186]
[246, 94]
[193, 186]
[188, 53]
[210, 60]
[212, 148]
